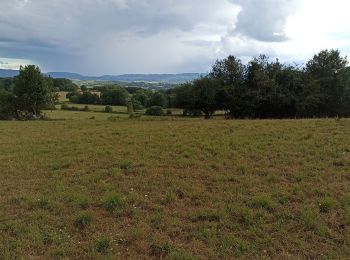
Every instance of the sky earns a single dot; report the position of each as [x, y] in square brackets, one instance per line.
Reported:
[98, 37]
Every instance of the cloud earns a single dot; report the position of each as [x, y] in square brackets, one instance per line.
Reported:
[164, 36]
[264, 20]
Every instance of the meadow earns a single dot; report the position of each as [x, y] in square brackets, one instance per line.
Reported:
[117, 188]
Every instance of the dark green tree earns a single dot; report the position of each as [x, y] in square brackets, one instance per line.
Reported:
[324, 86]
[159, 98]
[33, 90]
[116, 97]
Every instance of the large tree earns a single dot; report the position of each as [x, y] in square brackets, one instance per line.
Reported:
[33, 91]
[230, 72]
[324, 86]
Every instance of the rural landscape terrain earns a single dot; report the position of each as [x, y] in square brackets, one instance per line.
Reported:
[128, 172]
[175, 188]
[176, 130]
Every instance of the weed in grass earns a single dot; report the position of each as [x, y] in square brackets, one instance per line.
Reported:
[102, 245]
[234, 247]
[169, 198]
[242, 215]
[206, 234]
[158, 220]
[311, 220]
[60, 166]
[282, 197]
[82, 203]
[326, 205]
[262, 202]
[125, 165]
[43, 203]
[83, 220]
[179, 254]
[159, 251]
[209, 216]
[300, 177]
[113, 201]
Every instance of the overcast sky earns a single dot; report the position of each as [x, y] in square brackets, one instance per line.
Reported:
[96, 37]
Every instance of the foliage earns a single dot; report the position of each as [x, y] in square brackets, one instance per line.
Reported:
[116, 97]
[33, 90]
[159, 98]
[270, 89]
[64, 85]
[155, 111]
[84, 98]
[7, 105]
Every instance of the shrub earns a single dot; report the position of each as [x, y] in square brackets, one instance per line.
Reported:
[86, 108]
[155, 111]
[169, 112]
[109, 109]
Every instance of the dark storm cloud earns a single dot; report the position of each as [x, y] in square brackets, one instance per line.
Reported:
[119, 36]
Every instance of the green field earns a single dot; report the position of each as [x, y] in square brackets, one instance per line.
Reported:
[174, 188]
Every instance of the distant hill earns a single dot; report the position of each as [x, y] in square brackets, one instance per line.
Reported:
[168, 78]
[8, 73]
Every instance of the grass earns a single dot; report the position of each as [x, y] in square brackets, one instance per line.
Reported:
[174, 188]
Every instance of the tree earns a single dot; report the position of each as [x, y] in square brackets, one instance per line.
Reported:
[205, 91]
[84, 98]
[141, 98]
[62, 84]
[83, 88]
[159, 98]
[117, 97]
[7, 105]
[33, 90]
[231, 96]
[323, 90]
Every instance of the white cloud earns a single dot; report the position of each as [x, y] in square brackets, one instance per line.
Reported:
[13, 64]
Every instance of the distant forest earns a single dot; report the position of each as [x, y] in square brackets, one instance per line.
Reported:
[260, 89]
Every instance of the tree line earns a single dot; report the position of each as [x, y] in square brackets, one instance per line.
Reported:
[260, 89]
[115, 95]
[270, 89]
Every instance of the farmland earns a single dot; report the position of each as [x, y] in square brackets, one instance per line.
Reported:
[84, 186]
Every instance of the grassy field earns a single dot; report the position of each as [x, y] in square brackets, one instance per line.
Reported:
[174, 188]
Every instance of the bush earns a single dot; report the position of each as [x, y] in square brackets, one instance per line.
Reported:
[108, 109]
[155, 111]
[169, 112]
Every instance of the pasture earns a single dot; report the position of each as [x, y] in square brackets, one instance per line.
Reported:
[174, 188]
